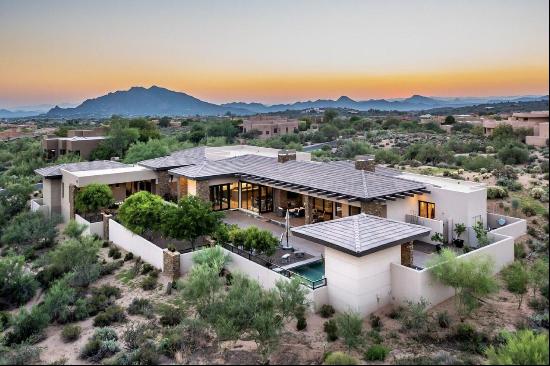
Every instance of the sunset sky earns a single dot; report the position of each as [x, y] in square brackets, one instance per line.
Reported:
[276, 51]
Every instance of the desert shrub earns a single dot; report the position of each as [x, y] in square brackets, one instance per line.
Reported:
[326, 311]
[496, 192]
[415, 315]
[108, 268]
[521, 348]
[528, 210]
[141, 307]
[101, 345]
[469, 338]
[74, 229]
[128, 257]
[169, 315]
[350, 328]
[331, 329]
[519, 251]
[188, 336]
[374, 336]
[443, 319]
[396, 312]
[93, 197]
[375, 322]
[537, 193]
[112, 314]
[149, 283]
[376, 352]
[17, 286]
[301, 323]
[516, 278]
[464, 332]
[27, 324]
[58, 300]
[147, 268]
[24, 354]
[339, 358]
[146, 354]
[70, 333]
[114, 253]
[137, 334]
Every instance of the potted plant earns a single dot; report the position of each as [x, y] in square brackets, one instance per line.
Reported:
[459, 230]
[438, 237]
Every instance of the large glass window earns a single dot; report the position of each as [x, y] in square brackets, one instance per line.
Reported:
[322, 209]
[219, 196]
[256, 198]
[426, 209]
[353, 210]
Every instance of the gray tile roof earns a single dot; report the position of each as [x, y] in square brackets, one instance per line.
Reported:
[342, 179]
[186, 157]
[361, 234]
[55, 170]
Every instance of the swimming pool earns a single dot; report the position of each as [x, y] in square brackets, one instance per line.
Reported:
[313, 271]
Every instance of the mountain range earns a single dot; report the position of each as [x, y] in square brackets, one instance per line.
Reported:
[157, 101]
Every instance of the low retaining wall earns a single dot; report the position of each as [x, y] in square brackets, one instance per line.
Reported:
[435, 226]
[410, 284]
[92, 228]
[140, 247]
[514, 227]
[37, 205]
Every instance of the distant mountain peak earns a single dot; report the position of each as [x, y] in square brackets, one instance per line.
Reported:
[345, 98]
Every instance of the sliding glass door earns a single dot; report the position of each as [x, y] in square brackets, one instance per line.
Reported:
[220, 197]
[257, 198]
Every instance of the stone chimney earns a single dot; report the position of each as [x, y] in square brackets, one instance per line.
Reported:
[286, 155]
[365, 162]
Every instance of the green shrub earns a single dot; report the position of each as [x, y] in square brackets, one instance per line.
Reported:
[375, 322]
[415, 315]
[141, 307]
[27, 324]
[114, 253]
[326, 311]
[376, 352]
[149, 283]
[108, 268]
[496, 192]
[340, 358]
[187, 337]
[350, 328]
[444, 319]
[70, 333]
[74, 229]
[147, 268]
[465, 332]
[331, 329]
[101, 345]
[169, 315]
[301, 323]
[375, 336]
[112, 314]
[521, 348]
[128, 257]
[528, 210]
[17, 286]
[519, 251]
[23, 354]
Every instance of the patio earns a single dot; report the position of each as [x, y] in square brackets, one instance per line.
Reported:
[244, 220]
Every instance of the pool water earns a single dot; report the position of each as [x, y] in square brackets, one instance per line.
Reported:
[313, 271]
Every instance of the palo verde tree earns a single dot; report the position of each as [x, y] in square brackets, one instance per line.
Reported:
[516, 278]
[30, 229]
[190, 219]
[93, 198]
[472, 279]
[142, 212]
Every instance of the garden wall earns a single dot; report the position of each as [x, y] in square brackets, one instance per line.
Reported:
[92, 228]
[265, 276]
[410, 284]
[140, 247]
[37, 205]
[514, 227]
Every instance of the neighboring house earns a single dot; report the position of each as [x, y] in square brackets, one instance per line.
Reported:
[367, 219]
[78, 142]
[270, 126]
[537, 120]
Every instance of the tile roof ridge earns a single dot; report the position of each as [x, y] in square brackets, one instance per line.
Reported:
[356, 234]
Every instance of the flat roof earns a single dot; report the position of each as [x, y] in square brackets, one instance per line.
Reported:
[115, 175]
[341, 179]
[77, 138]
[360, 234]
[456, 185]
[54, 171]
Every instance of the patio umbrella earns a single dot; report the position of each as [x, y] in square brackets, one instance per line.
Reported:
[287, 228]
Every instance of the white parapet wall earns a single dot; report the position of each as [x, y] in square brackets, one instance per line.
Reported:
[37, 205]
[513, 226]
[410, 284]
[265, 276]
[92, 228]
[140, 247]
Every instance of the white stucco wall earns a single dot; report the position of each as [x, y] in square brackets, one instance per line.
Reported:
[92, 228]
[51, 193]
[360, 284]
[514, 227]
[127, 240]
[410, 284]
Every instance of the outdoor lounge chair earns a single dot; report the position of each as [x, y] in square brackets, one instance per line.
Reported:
[285, 258]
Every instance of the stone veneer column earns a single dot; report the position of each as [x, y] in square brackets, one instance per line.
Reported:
[279, 198]
[72, 194]
[308, 206]
[375, 209]
[163, 183]
[203, 190]
[171, 262]
[407, 257]
[106, 218]
[365, 162]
